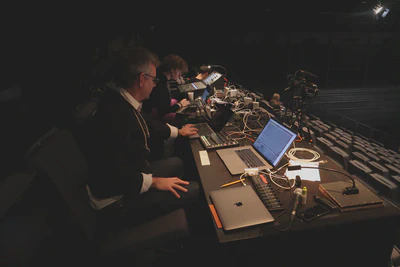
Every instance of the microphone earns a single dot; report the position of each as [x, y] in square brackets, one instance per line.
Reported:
[297, 200]
[310, 74]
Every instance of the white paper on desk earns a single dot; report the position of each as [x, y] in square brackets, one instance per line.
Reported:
[204, 158]
[304, 173]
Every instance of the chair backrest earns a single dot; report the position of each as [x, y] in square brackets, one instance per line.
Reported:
[87, 110]
[60, 158]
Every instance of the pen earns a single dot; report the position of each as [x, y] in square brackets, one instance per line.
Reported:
[231, 183]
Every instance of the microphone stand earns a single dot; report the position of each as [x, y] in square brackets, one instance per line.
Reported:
[350, 190]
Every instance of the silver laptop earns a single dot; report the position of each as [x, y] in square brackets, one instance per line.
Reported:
[265, 153]
[239, 207]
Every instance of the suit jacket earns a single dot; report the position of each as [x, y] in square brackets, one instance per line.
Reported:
[117, 154]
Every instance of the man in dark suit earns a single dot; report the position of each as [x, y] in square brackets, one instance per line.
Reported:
[123, 182]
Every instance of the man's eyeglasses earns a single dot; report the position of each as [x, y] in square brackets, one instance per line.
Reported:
[155, 79]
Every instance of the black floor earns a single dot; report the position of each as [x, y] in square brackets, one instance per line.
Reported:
[38, 230]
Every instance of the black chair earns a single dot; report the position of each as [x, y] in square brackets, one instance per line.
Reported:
[373, 157]
[357, 148]
[323, 143]
[318, 132]
[360, 157]
[60, 158]
[346, 147]
[393, 170]
[357, 168]
[337, 135]
[329, 136]
[386, 160]
[383, 186]
[379, 168]
[339, 155]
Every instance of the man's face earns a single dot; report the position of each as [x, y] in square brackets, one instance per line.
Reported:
[149, 82]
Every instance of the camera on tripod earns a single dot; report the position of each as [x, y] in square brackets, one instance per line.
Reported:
[300, 86]
[303, 90]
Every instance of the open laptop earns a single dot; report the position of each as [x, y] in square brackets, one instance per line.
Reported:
[216, 122]
[212, 78]
[191, 87]
[239, 207]
[265, 153]
[198, 85]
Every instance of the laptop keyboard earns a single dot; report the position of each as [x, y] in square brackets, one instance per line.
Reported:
[249, 158]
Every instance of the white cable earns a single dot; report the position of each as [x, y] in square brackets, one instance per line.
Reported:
[272, 177]
[291, 154]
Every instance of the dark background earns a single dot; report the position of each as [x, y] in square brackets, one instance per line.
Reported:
[49, 52]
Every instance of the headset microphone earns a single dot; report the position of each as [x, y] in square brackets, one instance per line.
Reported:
[297, 200]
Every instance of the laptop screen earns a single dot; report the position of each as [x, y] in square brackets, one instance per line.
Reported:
[212, 77]
[206, 93]
[221, 117]
[273, 141]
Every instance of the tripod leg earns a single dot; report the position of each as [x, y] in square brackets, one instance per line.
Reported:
[308, 129]
[286, 110]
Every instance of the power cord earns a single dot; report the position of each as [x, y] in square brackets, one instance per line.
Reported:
[291, 154]
[276, 223]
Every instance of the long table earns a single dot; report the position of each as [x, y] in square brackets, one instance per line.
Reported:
[357, 238]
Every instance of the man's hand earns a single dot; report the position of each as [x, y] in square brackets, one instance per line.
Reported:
[169, 184]
[188, 130]
[184, 103]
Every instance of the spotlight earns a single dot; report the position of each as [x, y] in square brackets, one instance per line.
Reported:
[378, 7]
[380, 11]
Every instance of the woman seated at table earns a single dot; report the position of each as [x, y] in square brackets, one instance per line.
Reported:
[160, 103]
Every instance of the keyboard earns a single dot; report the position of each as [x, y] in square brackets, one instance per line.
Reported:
[217, 140]
[204, 129]
[249, 158]
[266, 192]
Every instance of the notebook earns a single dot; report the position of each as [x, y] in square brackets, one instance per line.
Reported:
[365, 199]
[265, 153]
[239, 207]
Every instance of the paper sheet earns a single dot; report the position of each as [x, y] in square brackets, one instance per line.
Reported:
[204, 158]
[304, 173]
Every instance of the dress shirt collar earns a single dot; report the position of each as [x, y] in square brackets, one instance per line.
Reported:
[128, 97]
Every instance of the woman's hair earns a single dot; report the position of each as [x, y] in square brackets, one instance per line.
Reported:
[130, 62]
[173, 62]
